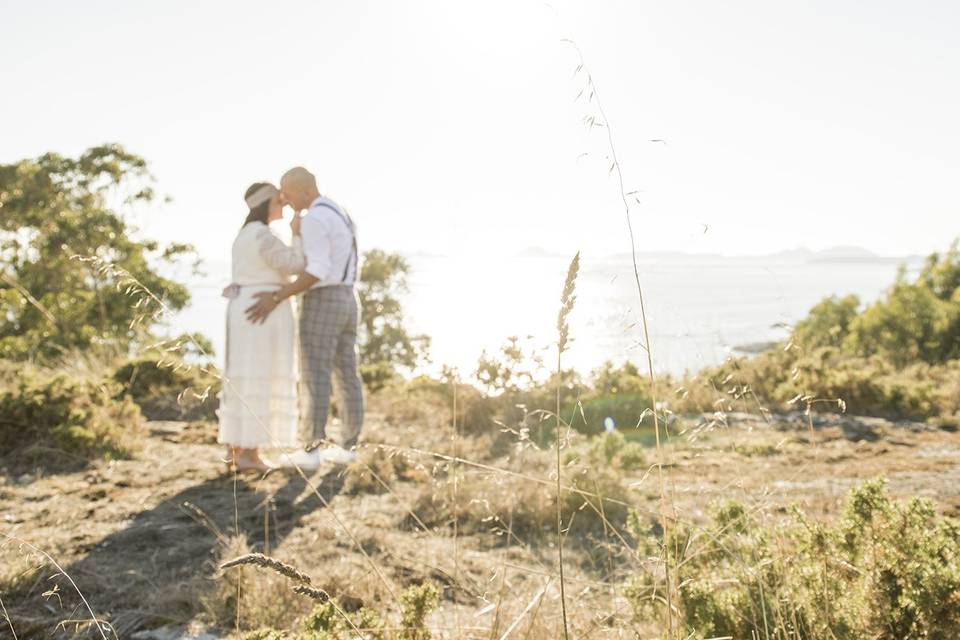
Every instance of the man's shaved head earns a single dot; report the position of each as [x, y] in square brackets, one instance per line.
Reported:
[299, 188]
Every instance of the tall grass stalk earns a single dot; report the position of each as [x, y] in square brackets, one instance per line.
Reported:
[9, 621]
[567, 300]
[100, 625]
[615, 168]
[303, 584]
[456, 503]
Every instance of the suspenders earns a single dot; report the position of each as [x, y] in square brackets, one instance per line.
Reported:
[352, 256]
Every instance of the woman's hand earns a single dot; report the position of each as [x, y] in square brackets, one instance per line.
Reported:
[295, 223]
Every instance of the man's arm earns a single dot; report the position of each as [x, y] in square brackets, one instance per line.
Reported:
[267, 301]
[317, 254]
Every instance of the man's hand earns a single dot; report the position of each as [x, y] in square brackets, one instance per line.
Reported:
[257, 314]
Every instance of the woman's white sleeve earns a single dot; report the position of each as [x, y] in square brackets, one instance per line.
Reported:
[288, 260]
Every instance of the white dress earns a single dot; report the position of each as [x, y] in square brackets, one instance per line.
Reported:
[258, 403]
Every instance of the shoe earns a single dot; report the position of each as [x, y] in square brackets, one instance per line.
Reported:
[339, 455]
[305, 460]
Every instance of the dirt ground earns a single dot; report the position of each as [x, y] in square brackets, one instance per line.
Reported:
[141, 538]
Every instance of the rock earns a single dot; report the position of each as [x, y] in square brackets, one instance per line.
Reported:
[25, 479]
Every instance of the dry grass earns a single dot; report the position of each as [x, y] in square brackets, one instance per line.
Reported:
[121, 530]
[245, 598]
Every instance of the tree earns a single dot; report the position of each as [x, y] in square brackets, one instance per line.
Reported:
[386, 345]
[58, 232]
[941, 273]
[828, 323]
[910, 324]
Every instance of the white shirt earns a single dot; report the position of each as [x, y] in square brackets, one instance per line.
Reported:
[328, 240]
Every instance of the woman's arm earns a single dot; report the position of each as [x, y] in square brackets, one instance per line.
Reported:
[288, 260]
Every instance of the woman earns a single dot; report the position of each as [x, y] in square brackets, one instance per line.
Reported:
[258, 404]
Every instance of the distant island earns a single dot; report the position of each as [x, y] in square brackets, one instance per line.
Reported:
[800, 255]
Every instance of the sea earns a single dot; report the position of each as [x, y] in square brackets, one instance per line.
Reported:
[700, 309]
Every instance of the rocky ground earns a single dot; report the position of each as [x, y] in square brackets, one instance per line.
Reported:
[141, 538]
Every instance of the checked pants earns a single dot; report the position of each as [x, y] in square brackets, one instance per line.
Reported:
[328, 362]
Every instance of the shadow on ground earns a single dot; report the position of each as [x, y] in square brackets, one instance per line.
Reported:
[152, 571]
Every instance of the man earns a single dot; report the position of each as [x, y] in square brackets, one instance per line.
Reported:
[328, 317]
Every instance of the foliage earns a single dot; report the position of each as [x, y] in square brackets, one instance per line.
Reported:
[827, 323]
[886, 570]
[915, 321]
[628, 411]
[170, 389]
[416, 603]
[75, 419]
[386, 346]
[55, 209]
[610, 380]
[511, 370]
[515, 506]
[614, 451]
[911, 324]
[326, 622]
[897, 358]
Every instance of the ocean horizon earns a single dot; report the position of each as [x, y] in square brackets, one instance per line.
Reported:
[701, 308]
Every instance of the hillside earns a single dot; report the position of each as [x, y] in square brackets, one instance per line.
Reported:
[141, 538]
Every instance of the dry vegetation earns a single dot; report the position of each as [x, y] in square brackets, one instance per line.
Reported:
[143, 538]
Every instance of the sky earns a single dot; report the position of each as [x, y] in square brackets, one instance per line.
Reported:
[454, 128]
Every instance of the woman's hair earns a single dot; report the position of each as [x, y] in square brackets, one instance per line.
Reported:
[261, 212]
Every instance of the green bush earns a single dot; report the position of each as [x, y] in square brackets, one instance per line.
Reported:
[611, 450]
[627, 411]
[911, 324]
[73, 417]
[593, 501]
[325, 622]
[897, 358]
[885, 571]
[867, 385]
[416, 603]
[828, 323]
[170, 389]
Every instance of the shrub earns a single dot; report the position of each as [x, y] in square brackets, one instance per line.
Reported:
[885, 570]
[910, 324]
[375, 471]
[593, 501]
[828, 323]
[325, 622]
[416, 603]
[70, 416]
[626, 411]
[170, 390]
[610, 450]
[867, 385]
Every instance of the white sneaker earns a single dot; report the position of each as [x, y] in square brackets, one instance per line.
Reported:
[306, 460]
[339, 455]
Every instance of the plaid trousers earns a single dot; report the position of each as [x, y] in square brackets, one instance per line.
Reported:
[328, 360]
